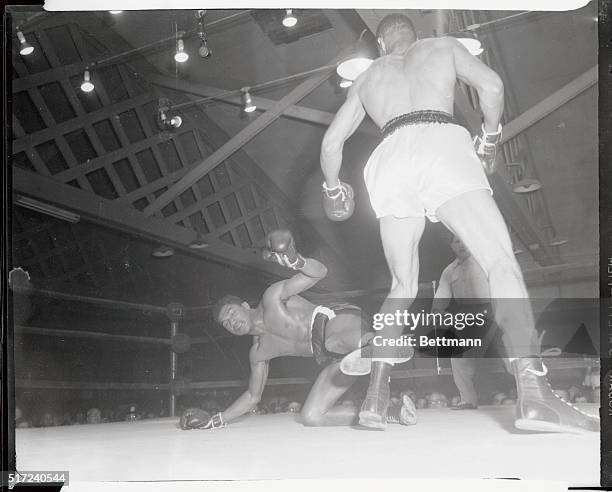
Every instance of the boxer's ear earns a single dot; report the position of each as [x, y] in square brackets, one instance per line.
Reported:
[381, 46]
[245, 305]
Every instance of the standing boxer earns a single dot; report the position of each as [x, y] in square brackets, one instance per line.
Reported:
[428, 166]
[286, 324]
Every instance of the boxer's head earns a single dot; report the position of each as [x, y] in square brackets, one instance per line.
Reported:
[94, 416]
[232, 313]
[459, 248]
[395, 33]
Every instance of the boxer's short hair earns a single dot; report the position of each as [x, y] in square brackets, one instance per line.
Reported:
[225, 301]
[393, 23]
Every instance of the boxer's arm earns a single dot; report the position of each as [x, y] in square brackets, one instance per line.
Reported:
[252, 396]
[312, 271]
[443, 294]
[487, 83]
[344, 124]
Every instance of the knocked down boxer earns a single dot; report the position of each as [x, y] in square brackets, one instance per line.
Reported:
[286, 324]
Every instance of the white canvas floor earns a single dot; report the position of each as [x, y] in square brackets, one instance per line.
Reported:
[444, 443]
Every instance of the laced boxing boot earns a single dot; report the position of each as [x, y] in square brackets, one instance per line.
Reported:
[539, 409]
[403, 413]
[373, 411]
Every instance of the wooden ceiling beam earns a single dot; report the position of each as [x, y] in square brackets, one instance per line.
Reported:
[551, 103]
[110, 213]
[238, 141]
[296, 112]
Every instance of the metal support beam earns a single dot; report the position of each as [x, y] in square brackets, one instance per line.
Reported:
[238, 141]
[550, 104]
[296, 112]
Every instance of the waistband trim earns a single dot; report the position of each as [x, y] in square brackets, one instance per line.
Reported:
[325, 311]
[416, 118]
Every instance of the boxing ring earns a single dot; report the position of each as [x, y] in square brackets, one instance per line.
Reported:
[444, 443]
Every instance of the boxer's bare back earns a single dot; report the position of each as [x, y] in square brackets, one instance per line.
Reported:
[421, 78]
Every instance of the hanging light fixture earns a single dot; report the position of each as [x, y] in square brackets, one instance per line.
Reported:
[203, 51]
[181, 56]
[163, 251]
[290, 19]
[247, 101]
[345, 83]
[26, 48]
[468, 39]
[87, 84]
[358, 61]
[165, 120]
[198, 242]
[526, 185]
[473, 45]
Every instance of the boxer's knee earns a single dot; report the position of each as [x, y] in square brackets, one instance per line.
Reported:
[404, 287]
[498, 263]
[310, 417]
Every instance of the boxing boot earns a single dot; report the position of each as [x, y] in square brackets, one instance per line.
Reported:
[539, 409]
[373, 411]
[403, 413]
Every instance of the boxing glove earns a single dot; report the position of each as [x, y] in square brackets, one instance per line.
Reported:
[196, 418]
[339, 201]
[280, 248]
[485, 145]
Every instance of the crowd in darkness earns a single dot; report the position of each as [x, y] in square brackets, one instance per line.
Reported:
[275, 400]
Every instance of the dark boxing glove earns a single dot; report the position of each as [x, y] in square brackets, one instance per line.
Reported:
[194, 418]
[339, 201]
[280, 248]
[485, 145]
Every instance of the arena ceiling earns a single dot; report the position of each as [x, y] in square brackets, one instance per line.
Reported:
[233, 177]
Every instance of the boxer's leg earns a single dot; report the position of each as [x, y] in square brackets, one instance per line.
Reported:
[319, 409]
[476, 220]
[400, 240]
[463, 376]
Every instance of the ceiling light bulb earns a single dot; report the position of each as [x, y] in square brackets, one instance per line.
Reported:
[163, 251]
[25, 48]
[289, 20]
[87, 85]
[176, 121]
[115, 12]
[204, 51]
[344, 83]
[526, 185]
[198, 242]
[247, 101]
[180, 56]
